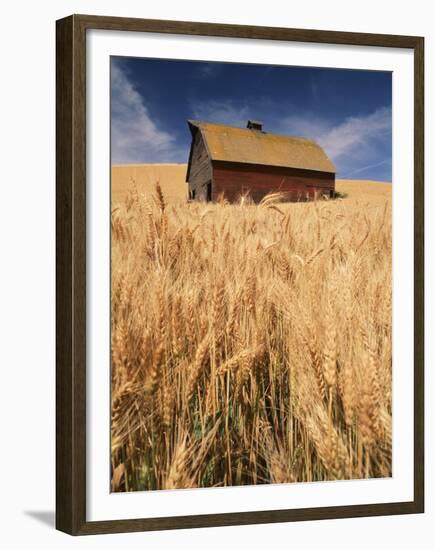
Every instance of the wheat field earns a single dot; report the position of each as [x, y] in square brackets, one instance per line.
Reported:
[251, 344]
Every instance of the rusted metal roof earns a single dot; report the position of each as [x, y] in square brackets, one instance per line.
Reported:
[231, 144]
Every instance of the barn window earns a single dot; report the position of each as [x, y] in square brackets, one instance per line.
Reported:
[209, 191]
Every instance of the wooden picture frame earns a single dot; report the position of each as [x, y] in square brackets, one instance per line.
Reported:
[71, 273]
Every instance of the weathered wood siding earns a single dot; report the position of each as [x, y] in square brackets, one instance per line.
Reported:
[200, 169]
[235, 179]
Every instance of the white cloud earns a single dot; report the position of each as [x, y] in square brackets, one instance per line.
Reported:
[135, 135]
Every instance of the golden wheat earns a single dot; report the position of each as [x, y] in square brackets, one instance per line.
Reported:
[250, 343]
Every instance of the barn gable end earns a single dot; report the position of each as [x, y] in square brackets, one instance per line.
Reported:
[199, 169]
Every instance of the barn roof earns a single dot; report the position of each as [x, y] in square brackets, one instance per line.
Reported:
[231, 144]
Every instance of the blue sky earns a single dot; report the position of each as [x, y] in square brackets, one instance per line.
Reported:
[348, 112]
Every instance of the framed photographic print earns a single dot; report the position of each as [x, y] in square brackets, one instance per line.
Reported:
[239, 275]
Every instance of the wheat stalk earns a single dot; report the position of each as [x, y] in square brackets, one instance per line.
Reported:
[250, 343]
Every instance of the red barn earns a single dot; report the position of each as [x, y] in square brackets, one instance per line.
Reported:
[228, 162]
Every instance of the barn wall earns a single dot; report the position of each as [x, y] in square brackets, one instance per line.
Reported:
[200, 168]
[234, 179]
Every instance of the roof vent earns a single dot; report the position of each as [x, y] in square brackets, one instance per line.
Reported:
[255, 125]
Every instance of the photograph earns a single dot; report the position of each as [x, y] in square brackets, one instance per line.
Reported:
[251, 274]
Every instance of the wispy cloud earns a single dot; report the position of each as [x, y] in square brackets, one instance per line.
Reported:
[315, 92]
[221, 112]
[358, 133]
[307, 126]
[356, 144]
[207, 70]
[367, 168]
[136, 137]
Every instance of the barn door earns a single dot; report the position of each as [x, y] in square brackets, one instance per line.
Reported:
[209, 191]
